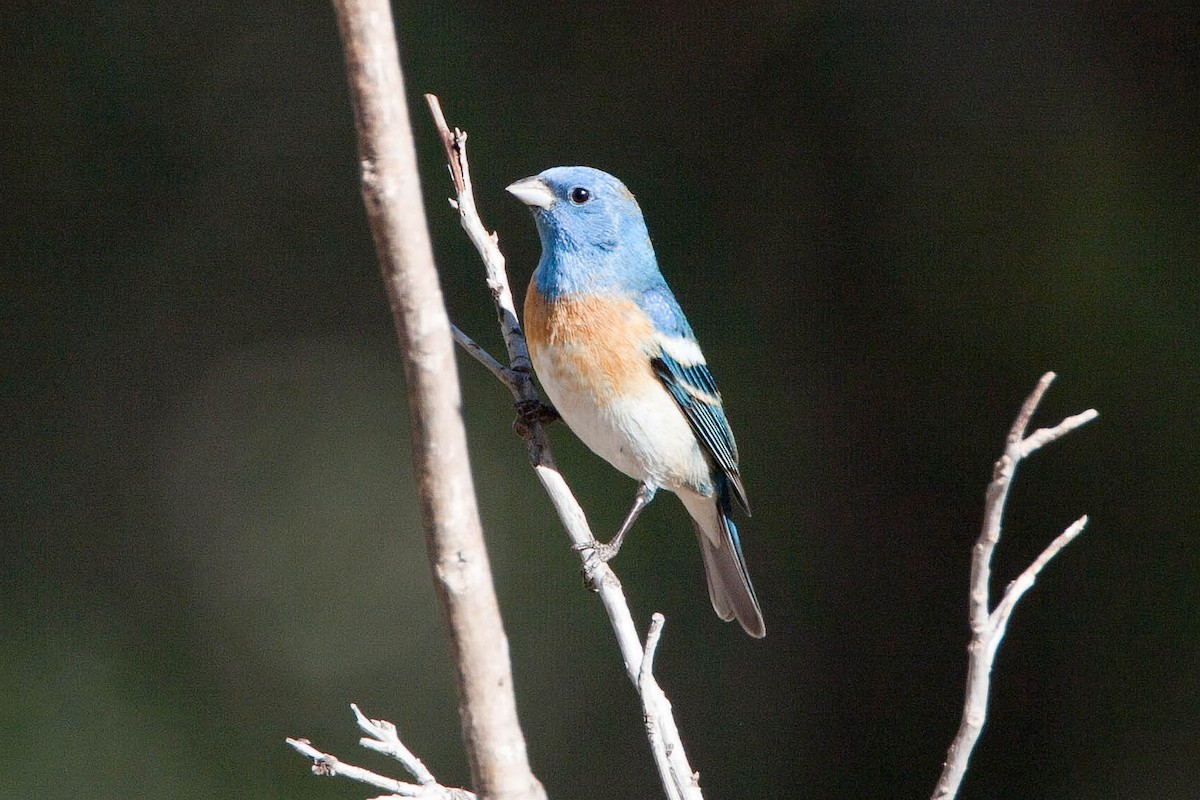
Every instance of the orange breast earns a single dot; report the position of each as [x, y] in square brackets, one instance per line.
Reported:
[599, 345]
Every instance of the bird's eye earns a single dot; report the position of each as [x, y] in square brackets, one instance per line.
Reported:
[580, 195]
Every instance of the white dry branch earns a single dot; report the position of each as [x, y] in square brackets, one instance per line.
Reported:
[988, 625]
[492, 736]
[678, 779]
[383, 738]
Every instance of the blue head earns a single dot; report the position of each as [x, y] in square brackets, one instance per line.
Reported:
[592, 231]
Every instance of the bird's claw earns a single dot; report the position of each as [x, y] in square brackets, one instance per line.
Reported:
[531, 412]
[603, 550]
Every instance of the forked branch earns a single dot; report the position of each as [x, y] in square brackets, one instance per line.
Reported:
[987, 624]
[383, 738]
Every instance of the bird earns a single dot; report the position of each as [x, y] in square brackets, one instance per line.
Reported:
[621, 365]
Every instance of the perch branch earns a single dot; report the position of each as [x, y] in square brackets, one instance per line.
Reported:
[678, 779]
[391, 190]
[989, 625]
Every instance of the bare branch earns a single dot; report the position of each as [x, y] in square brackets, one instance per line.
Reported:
[677, 787]
[1044, 436]
[492, 735]
[653, 634]
[455, 144]
[678, 779]
[325, 764]
[382, 738]
[988, 626]
[1017, 432]
[1026, 579]
[501, 372]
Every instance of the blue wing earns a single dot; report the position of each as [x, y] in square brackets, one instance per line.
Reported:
[692, 386]
[696, 393]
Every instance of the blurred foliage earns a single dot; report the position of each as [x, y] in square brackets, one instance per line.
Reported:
[885, 225]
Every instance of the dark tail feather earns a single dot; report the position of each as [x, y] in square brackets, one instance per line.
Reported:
[729, 584]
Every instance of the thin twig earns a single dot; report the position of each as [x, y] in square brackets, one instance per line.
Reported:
[455, 144]
[988, 626]
[653, 635]
[383, 737]
[1044, 436]
[327, 765]
[501, 372]
[649, 692]
[1026, 579]
[678, 779]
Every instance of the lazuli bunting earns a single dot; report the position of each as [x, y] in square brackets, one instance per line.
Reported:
[620, 363]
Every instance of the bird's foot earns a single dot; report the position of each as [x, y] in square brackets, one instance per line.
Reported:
[605, 551]
[531, 412]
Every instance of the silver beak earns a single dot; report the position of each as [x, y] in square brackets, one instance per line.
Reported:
[532, 192]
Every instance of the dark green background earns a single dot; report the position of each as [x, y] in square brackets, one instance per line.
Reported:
[885, 225]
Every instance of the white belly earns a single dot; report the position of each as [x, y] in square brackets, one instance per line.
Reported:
[642, 433]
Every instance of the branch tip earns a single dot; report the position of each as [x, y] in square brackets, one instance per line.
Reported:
[653, 634]
[1017, 432]
[1044, 436]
